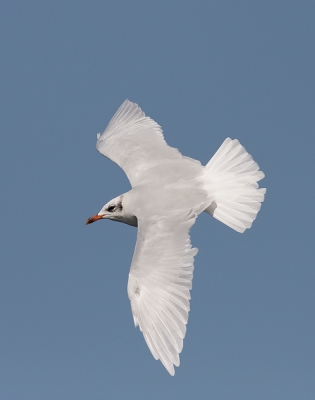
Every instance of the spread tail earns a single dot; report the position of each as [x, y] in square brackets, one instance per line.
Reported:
[231, 176]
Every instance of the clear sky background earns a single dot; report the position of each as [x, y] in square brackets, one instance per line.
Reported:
[204, 70]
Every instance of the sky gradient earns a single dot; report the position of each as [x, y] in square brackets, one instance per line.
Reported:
[204, 70]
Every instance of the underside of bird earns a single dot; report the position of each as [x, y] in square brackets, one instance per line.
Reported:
[168, 192]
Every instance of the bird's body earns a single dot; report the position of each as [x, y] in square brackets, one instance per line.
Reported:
[168, 192]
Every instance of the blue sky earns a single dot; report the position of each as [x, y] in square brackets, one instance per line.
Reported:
[204, 70]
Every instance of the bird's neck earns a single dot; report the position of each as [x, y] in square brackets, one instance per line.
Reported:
[127, 219]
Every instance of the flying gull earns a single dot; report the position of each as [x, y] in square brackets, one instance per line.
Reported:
[168, 193]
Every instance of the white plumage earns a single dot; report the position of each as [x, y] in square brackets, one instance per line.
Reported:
[168, 192]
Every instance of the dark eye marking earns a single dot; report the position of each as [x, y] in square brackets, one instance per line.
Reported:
[111, 208]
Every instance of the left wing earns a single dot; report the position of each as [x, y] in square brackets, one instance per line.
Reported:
[160, 279]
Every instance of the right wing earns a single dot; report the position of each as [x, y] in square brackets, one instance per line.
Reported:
[160, 279]
[135, 142]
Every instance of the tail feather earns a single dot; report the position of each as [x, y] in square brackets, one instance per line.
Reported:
[231, 176]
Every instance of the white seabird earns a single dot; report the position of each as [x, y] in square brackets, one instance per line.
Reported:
[168, 192]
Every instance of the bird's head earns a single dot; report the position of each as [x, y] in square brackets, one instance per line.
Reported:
[114, 210]
[111, 210]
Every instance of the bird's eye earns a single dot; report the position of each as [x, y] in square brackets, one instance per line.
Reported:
[111, 208]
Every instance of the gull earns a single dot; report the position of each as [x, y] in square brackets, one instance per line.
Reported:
[168, 193]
